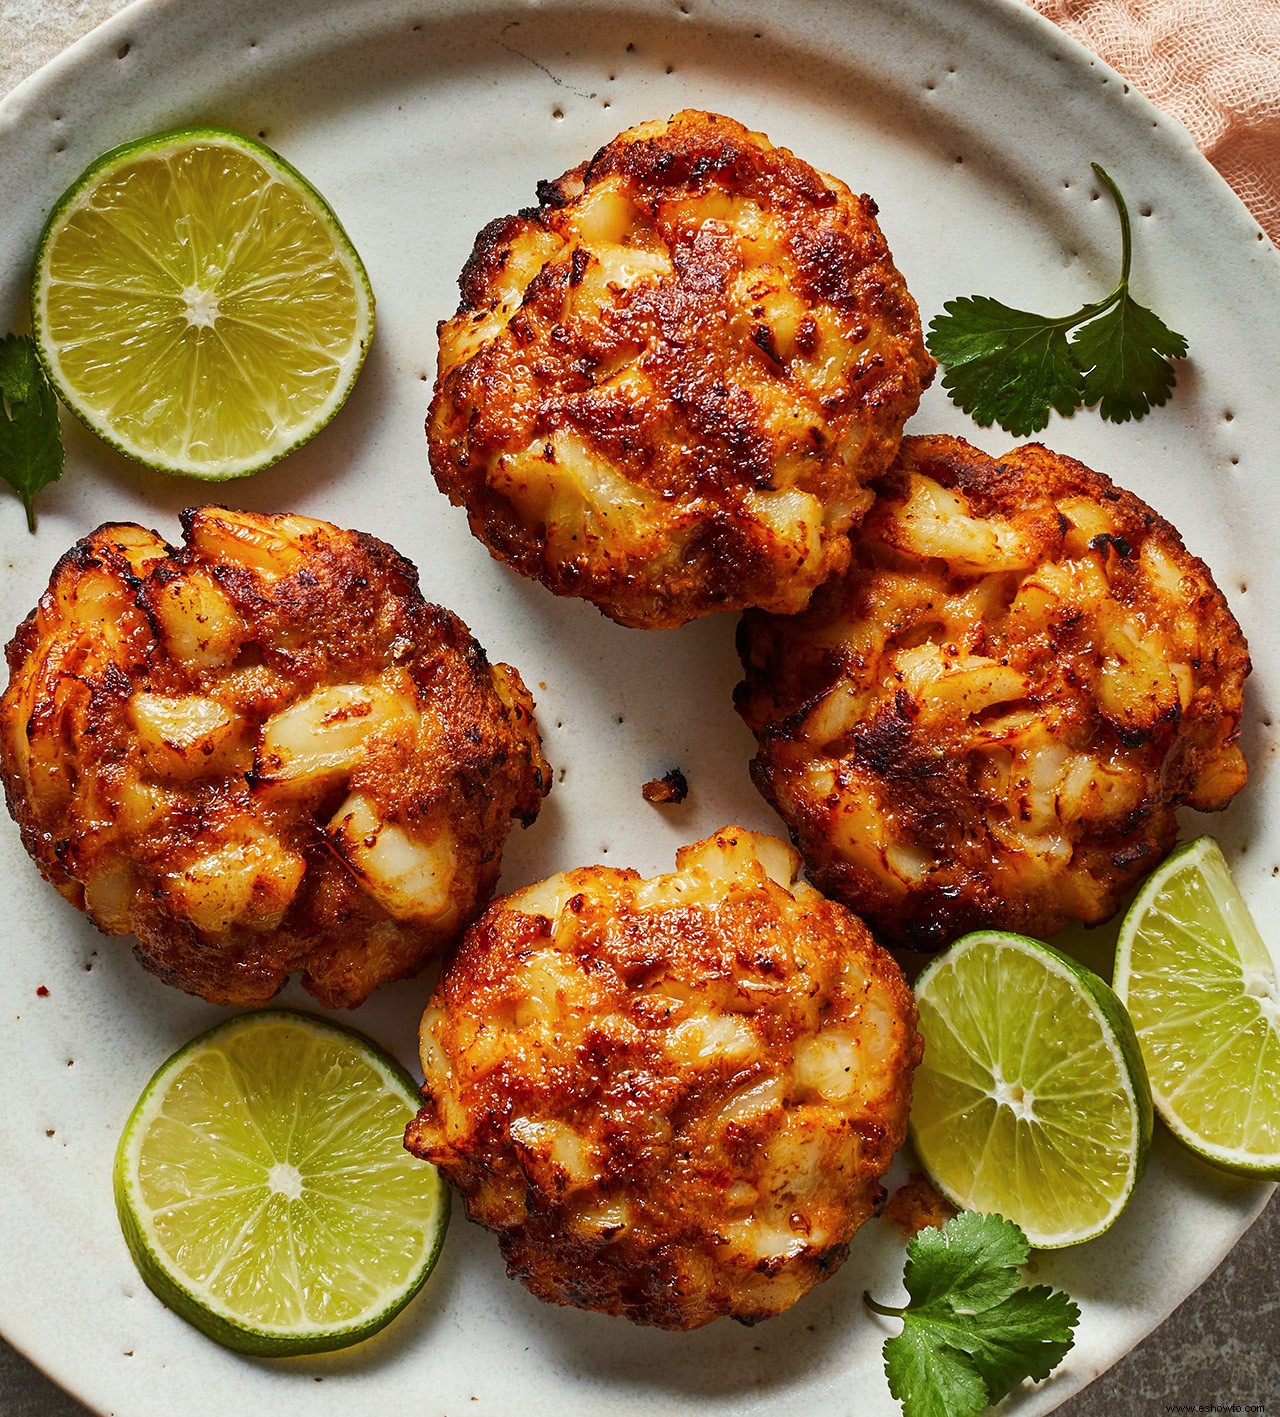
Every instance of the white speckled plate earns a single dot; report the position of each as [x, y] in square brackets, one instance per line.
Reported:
[973, 124]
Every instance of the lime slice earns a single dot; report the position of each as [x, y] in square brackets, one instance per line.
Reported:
[265, 1192]
[1032, 1101]
[197, 304]
[1200, 986]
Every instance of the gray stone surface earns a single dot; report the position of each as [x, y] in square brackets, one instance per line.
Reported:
[1222, 1346]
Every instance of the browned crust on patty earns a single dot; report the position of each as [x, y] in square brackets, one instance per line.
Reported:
[691, 325]
[966, 733]
[672, 1100]
[152, 756]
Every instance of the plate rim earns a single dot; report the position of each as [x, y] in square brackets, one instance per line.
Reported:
[92, 46]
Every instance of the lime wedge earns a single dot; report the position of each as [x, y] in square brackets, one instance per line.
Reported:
[1031, 1101]
[265, 1192]
[197, 304]
[1200, 986]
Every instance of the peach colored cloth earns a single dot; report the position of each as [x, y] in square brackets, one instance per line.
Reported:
[1214, 65]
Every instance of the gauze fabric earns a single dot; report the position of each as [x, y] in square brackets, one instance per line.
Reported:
[1214, 65]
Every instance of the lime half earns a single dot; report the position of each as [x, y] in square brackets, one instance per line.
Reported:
[265, 1192]
[197, 304]
[1032, 1101]
[1201, 988]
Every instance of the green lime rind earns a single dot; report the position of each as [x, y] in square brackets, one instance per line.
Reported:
[1100, 1095]
[1183, 968]
[76, 196]
[194, 1302]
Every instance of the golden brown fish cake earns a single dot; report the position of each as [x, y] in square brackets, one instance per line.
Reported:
[666, 388]
[989, 719]
[672, 1099]
[262, 753]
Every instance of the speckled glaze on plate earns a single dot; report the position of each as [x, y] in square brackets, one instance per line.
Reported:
[973, 124]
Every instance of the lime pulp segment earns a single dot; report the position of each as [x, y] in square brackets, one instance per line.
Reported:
[1031, 1101]
[198, 305]
[1201, 987]
[264, 1188]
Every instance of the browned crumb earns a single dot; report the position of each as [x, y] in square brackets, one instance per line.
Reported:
[672, 786]
[917, 1206]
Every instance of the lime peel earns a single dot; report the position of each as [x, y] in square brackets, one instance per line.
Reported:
[263, 1188]
[197, 304]
[1032, 1100]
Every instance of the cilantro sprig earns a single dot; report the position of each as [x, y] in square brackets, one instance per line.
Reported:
[31, 454]
[971, 1333]
[1011, 367]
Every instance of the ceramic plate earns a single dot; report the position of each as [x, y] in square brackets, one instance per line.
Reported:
[973, 125]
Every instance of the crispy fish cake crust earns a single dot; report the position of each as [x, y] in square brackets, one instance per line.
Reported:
[262, 753]
[989, 719]
[672, 1099]
[666, 388]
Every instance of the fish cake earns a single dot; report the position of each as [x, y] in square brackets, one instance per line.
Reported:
[261, 753]
[990, 718]
[667, 386]
[673, 1099]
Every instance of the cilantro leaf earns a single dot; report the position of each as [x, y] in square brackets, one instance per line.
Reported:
[1003, 365]
[969, 1255]
[1024, 1336]
[17, 374]
[931, 1379]
[970, 1334]
[31, 454]
[1012, 367]
[1124, 356]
